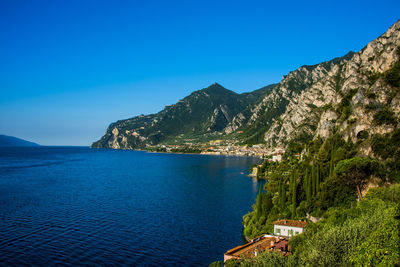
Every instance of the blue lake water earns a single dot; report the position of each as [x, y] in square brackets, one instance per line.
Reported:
[82, 206]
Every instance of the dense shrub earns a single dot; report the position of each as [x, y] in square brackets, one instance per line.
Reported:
[325, 184]
[335, 243]
[366, 234]
[371, 95]
[386, 146]
[327, 107]
[232, 263]
[352, 121]
[392, 76]
[373, 77]
[344, 107]
[270, 259]
[379, 145]
[216, 264]
[385, 116]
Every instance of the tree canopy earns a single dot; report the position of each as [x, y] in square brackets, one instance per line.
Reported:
[355, 171]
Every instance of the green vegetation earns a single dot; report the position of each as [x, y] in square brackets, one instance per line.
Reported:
[254, 133]
[199, 116]
[326, 183]
[327, 107]
[371, 95]
[355, 171]
[344, 108]
[352, 121]
[338, 79]
[296, 188]
[338, 239]
[385, 116]
[392, 76]
[387, 148]
[216, 264]
[373, 77]
[362, 234]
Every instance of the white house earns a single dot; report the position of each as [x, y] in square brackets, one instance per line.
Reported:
[289, 227]
[277, 154]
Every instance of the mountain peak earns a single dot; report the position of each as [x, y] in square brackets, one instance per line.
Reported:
[217, 88]
[215, 85]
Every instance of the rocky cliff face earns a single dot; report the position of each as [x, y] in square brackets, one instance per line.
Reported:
[355, 94]
[344, 95]
[263, 121]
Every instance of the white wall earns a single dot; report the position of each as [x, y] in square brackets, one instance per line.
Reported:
[284, 230]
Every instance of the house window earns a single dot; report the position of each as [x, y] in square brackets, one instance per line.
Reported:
[278, 231]
[290, 232]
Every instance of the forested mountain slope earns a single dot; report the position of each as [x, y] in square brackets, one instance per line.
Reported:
[204, 112]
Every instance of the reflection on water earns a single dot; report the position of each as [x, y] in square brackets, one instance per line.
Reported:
[256, 185]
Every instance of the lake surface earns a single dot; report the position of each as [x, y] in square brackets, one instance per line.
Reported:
[82, 206]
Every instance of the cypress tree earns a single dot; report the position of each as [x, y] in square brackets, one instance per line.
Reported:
[317, 179]
[313, 178]
[267, 202]
[259, 204]
[308, 187]
[305, 181]
[283, 196]
[332, 157]
[294, 195]
[280, 194]
[291, 183]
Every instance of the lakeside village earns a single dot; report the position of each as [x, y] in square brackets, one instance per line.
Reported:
[221, 147]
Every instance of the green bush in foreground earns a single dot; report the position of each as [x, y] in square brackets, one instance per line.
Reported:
[381, 248]
[216, 264]
[366, 234]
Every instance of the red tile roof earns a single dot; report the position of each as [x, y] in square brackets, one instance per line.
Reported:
[261, 243]
[292, 223]
[249, 248]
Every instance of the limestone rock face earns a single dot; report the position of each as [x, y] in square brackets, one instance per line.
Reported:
[220, 117]
[343, 94]
[325, 124]
[291, 108]
[313, 111]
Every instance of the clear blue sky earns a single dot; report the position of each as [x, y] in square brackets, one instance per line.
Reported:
[70, 68]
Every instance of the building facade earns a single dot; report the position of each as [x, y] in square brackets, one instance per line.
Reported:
[288, 228]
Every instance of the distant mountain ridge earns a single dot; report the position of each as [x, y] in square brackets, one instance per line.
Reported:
[346, 95]
[203, 113]
[11, 141]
